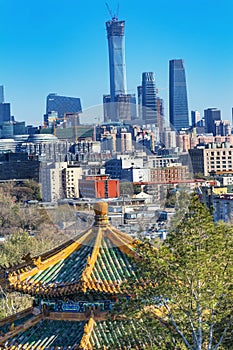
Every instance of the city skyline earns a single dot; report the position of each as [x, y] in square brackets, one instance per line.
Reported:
[51, 47]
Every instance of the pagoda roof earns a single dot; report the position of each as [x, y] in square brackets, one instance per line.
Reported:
[63, 331]
[96, 260]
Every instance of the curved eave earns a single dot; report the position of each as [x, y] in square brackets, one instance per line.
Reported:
[26, 281]
[19, 276]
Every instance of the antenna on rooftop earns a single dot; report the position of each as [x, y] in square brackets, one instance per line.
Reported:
[117, 11]
[114, 16]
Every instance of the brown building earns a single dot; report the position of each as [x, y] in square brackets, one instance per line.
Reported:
[169, 174]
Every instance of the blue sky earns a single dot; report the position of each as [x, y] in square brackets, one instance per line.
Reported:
[61, 46]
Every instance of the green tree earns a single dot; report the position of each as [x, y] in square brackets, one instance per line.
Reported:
[185, 286]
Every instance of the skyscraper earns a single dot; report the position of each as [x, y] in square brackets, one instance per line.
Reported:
[5, 112]
[116, 50]
[178, 100]
[5, 108]
[149, 99]
[117, 105]
[211, 115]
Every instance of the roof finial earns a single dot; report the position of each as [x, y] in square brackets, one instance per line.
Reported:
[101, 213]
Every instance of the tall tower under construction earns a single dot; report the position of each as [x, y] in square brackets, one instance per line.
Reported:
[118, 105]
[116, 49]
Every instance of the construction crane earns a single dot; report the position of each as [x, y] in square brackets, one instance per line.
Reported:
[114, 17]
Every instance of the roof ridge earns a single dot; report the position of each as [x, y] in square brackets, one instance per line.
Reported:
[85, 341]
[92, 260]
[119, 242]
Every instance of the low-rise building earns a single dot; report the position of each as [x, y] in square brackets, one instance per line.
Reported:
[212, 158]
[223, 207]
[18, 166]
[169, 174]
[99, 186]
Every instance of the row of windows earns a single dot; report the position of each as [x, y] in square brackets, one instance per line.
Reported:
[219, 153]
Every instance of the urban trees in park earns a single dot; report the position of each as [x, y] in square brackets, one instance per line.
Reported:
[183, 294]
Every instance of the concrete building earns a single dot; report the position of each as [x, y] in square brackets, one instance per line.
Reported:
[225, 178]
[20, 166]
[118, 167]
[99, 186]
[183, 141]
[222, 127]
[136, 175]
[70, 181]
[51, 181]
[59, 180]
[223, 207]
[168, 137]
[212, 158]
[125, 141]
[169, 174]
[195, 117]
[161, 162]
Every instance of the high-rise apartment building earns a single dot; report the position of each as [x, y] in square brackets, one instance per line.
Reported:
[211, 115]
[62, 105]
[117, 104]
[178, 100]
[222, 127]
[149, 99]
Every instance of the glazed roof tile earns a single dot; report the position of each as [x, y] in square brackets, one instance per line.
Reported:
[62, 334]
[97, 260]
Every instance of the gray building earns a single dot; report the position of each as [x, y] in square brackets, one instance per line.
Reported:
[1, 94]
[5, 112]
[62, 105]
[149, 99]
[211, 115]
[178, 100]
[118, 105]
[19, 166]
[116, 50]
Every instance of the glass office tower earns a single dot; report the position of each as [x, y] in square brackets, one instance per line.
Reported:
[61, 105]
[178, 100]
[211, 115]
[116, 49]
[149, 99]
[118, 105]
